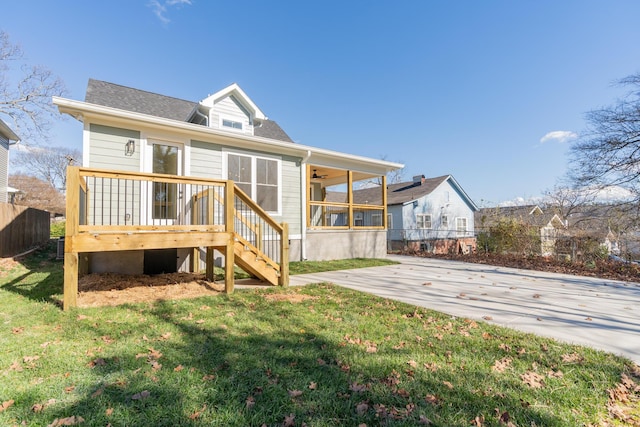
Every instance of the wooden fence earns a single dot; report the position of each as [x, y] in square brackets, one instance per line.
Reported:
[22, 228]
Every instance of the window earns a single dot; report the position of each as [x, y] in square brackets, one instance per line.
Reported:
[258, 177]
[444, 222]
[390, 221]
[376, 220]
[231, 124]
[165, 161]
[423, 221]
[461, 225]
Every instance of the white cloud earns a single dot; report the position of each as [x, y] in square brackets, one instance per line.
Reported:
[160, 8]
[560, 136]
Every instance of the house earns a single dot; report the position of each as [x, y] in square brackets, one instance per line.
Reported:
[168, 184]
[429, 214]
[7, 138]
[547, 226]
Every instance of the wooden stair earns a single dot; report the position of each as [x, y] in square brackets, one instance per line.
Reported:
[254, 262]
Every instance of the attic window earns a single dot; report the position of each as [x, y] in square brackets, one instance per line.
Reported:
[231, 124]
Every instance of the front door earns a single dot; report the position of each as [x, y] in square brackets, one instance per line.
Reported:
[166, 158]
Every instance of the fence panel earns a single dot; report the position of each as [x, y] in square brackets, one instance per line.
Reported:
[22, 228]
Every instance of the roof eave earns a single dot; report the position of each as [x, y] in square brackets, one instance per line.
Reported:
[6, 130]
[81, 110]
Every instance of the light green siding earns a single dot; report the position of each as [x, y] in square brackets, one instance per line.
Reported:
[291, 198]
[206, 160]
[107, 148]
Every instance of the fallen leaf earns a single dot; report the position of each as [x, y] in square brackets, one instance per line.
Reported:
[533, 380]
[250, 402]
[427, 284]
[424, 421]
[313, 386]
[295, 393]
[69, 389]
[27, 359]
[197, 414]
[178, 368]
[588, 319]
[6, 404]
[97, 362]
[412, 363]
[82, 317]
[98, 392]
[165, 336]
[502, 364]
[487, 317]
[289, 421]
[209, 377]
[142, 395]
[358, 388]
[448, 384]
[362, 408]
[17, 330]
[432, 399]
[108, 412]
[69, 421]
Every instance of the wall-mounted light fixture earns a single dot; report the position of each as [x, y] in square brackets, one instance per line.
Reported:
[130, 147]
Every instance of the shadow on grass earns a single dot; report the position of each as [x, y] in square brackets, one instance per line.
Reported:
[43, 279]
[219, 374]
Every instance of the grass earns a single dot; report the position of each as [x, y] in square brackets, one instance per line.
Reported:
[317, 355]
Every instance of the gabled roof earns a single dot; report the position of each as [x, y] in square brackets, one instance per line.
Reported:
[129, 99]
[7, 132]
[405, 192]
[234, 90]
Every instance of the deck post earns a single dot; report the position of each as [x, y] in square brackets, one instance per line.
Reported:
[229, 218]
[229, 262]
[210, 261]
[70, 297]
[283, 280]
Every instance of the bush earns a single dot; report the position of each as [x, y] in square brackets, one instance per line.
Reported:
[57, 229]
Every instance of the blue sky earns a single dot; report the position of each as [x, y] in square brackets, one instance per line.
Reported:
[468, 88]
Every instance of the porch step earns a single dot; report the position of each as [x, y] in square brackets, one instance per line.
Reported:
[248, 260]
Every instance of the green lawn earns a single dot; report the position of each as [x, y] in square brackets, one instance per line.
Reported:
[317, 355]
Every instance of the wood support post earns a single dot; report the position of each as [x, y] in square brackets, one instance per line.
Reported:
[210, 266]
[283, 280]
[70, 298]
[229, 262]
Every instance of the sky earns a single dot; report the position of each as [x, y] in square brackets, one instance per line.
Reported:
[491, 92]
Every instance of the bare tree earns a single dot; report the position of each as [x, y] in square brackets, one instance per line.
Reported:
[26, 103]
[608, 153]
[37, 193]
[48, 164]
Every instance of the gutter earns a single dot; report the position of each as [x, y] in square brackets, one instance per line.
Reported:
[329, 157]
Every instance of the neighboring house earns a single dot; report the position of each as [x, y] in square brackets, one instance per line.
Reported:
[7, 138]
[130, 134]
[429, 214]
[548, 226]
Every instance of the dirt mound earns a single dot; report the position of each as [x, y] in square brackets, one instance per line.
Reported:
[116, 289]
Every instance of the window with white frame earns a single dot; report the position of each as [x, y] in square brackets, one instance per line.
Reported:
[231, 124]
[461, 225]
[390, 221]
[444, 222]
[423, 221]
[259, 177]
[376, 220]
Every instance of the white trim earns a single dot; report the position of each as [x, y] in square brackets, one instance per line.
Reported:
[234, 90]
[229, 128]
[319, 156]
[430, 227]
[86, 144]
[254, 156]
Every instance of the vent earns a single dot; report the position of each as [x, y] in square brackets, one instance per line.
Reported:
[60, 254]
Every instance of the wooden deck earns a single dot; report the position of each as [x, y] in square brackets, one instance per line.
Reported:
[113, 211]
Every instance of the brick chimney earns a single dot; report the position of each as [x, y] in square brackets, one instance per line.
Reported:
[418, 180]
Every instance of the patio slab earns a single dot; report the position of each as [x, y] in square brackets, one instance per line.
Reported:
[599, 313]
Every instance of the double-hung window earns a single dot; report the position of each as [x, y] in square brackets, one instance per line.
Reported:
[461, 225]
[259, 177]
[423, 221]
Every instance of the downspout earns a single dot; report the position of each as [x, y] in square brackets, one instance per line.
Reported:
[303, 206]
[206, 118]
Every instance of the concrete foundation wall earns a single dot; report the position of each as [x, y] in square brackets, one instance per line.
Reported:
[436, 246]
[325, 245]
[123, 262]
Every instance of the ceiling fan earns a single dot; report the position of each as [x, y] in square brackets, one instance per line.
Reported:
[316, 176]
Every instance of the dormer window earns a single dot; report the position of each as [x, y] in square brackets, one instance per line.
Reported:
[231, 124]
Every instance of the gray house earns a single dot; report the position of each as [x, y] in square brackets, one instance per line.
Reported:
[153, 163]
[7, 138]
[429, 214]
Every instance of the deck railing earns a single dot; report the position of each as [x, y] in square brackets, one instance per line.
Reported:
[337, 216]
[104, 201]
